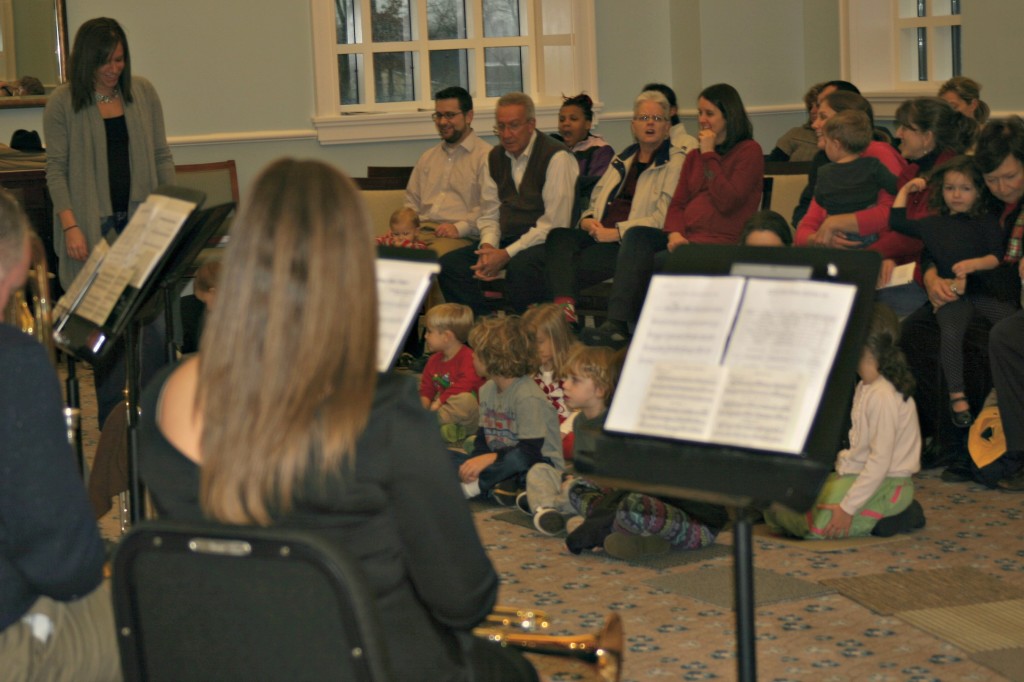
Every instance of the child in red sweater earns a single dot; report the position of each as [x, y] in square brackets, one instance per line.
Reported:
[449, 383]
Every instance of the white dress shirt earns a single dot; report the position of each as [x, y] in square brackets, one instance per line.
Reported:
[446, 182]
[559, 193]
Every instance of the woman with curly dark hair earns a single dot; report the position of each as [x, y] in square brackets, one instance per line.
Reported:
[872, 481]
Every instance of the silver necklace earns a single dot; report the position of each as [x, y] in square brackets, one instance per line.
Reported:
[107, 99]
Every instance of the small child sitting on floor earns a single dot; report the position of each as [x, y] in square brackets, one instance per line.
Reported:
[518, 427]
[450, 384]
[553, 339]
[404, 230]
[872, 482]
[591, 374]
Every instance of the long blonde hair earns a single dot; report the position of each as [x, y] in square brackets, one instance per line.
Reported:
[288, 363]
[549, 319]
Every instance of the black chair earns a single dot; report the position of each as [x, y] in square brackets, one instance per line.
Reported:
[208, 602]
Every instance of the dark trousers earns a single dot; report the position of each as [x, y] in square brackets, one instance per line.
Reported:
[1006, 352]
[953, 319]
[634, 267]
[525, 282]
[576, 261]
[109, 372]
[920, 341]
[514, 464]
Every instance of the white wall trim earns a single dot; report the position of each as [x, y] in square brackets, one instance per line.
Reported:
[241, 137]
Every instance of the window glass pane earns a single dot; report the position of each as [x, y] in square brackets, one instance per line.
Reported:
[913, 8]
[943, 68]
[945, 8]
[393, 76]
[446, 19]
[447, 68]
[910, 62]
[501, 18]
[556, 17]
[503, 70]
[345, 22]
[348, 78]
[391, 21]
[558, 70]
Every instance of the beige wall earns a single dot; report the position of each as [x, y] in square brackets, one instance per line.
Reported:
[226, 68]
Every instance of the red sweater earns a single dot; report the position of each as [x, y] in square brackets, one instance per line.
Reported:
[874, 219]
[716, 194]
[444, 378]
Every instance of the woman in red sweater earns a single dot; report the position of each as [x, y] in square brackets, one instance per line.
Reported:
[719, 188]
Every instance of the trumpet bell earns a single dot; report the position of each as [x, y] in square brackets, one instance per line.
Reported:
[602, 650]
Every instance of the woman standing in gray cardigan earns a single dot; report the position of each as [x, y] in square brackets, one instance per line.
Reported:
[106, 145]
[106, 151]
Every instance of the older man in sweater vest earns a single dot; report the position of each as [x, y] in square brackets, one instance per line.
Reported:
[529, 190]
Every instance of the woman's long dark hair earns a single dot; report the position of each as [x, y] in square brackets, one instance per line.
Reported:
[952, 130]
[737, 124]
[95, 41]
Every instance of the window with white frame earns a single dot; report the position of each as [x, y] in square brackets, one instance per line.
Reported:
[380, 61]
[901, 46]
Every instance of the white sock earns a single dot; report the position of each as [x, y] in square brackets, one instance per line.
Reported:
[471, 490]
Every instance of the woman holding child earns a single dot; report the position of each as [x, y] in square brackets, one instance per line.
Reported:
[719, 188]
[999, 155]
[634, 191]
[269, 425]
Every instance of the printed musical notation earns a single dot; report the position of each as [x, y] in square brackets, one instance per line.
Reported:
[731, 360]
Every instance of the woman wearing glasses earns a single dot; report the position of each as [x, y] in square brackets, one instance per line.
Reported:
[719, 188]
[634, 191]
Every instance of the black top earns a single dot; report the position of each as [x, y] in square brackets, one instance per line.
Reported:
[118, 165]
[853, 186]
[949, 239]
[401, 513]
[49, 542]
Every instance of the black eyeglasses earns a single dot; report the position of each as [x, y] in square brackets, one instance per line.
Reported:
[446, 115]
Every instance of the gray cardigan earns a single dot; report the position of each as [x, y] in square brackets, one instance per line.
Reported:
[76, 162]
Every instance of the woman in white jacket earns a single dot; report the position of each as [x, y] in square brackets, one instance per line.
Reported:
[635, 190]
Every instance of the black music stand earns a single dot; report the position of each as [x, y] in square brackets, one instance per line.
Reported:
[745, 477]
[89, 341]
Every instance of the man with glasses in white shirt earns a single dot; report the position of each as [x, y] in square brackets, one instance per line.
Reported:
[445, 185]
[529, 189]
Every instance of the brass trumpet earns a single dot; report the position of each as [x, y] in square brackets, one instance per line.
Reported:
[35, 320]
[528, 620]
[603, 650]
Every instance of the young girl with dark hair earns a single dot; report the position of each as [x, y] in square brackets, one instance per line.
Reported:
[872, 482]
[575, 119]
[962, 237]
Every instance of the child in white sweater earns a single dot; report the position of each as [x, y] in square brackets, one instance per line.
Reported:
[872, 480]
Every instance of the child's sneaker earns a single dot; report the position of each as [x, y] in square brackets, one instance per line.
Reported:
[548, 521]
[631, 547]
[523, 503]
[573, 523]
[505, 492]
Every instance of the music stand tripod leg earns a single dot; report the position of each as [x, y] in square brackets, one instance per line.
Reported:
[743, 571]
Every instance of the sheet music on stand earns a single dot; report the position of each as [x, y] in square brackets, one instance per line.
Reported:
[403, 278]
[117, 278]
[731, 360]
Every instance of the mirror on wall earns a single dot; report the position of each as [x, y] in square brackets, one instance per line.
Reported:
[33, 51]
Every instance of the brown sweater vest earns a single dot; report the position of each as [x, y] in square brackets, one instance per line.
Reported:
[521, 208]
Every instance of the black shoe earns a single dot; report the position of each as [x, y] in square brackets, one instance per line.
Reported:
[611, 333]
[957, 473]
[910, 519]
[962, 419]
[1013, 484]
[549, 521]
[505, 492]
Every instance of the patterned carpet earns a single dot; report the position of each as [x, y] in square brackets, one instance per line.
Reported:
[670, 635]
